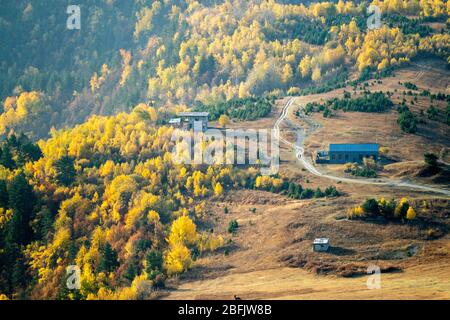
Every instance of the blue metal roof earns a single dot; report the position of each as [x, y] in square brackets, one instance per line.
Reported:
[354, 147]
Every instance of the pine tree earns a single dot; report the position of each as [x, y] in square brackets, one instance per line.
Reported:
[6, 158]
[21, 201]
[65, 170]
[154, 261]
[108, 260]
[291, 190]
[130, 272]
[318, 193]
[46, 221]
[27, 151]
[3, 194]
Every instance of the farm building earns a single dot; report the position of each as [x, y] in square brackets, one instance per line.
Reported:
[175, 122]
[348, 152]
[190, 118]
[321, 244]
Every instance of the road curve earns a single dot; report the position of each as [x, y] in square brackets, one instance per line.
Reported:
[299, 150]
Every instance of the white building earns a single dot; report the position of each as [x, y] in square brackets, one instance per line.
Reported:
[321, 244]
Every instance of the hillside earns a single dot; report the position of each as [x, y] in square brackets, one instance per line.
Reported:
[90, 171]
[270, 256]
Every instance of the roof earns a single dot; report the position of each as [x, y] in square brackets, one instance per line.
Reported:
[175, 120]
[321, 241]
[193, 114]
[354, 147]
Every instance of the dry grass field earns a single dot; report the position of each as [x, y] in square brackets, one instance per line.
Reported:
[271, 257]
[289, 283]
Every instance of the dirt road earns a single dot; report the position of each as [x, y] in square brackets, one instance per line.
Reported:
[300, 151]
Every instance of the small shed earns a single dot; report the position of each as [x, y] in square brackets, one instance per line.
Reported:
[321, 244]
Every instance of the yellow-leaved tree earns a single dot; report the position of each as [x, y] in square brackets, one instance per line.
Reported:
[183, 231]
[356, 212]
[224, 120]
[317, 74]
[178, 259]
[305, 66]
[218, 189]
[411, 213]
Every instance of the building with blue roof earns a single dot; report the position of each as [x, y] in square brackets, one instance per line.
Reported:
[348, 152]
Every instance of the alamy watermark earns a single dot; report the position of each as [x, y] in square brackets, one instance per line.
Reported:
[228, 147]
[374, 19]
[73, 281]
[374, 280]
[74, 19]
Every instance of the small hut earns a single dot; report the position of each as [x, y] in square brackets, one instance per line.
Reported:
[321, 244]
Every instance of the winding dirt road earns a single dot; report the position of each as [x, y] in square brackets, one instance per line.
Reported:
[299, 150]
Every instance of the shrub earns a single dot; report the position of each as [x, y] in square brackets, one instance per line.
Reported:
[318, 193]
[370, 163]
[356, 212]
[410, 86]
[407, 120]
[431, 160]
[370, 206]
[332, 192]
[233, 226]
[307, 194]
[402, 208]
[384, 151]
[388, 209]
[432, 113]
[364, 172]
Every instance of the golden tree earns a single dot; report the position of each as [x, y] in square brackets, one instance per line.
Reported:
[411, 214]
[183, 231]
[218, 189]
[224, 120]
[178, 259]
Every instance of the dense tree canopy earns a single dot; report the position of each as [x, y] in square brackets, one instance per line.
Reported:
[99, 189]
[173, 54]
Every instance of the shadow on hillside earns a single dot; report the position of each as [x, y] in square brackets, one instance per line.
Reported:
[339, 251]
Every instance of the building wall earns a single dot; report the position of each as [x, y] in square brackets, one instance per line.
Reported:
[192, 120]
[345, 157]
[320, 247]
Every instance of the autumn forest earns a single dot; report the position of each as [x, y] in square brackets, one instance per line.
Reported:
[86, 175]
